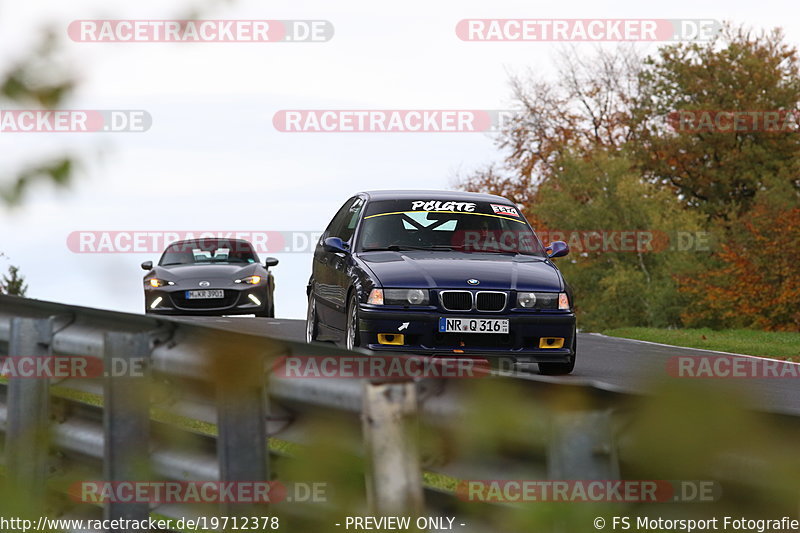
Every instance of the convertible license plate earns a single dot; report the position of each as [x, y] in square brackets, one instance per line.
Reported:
[473, 325]
[198, 295]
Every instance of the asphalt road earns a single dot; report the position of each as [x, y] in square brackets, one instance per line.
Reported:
[625, 364]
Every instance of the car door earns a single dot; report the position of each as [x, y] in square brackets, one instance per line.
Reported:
[343, 263]
[326, 288]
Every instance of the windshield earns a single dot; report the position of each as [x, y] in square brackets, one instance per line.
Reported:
[208, 251]
[446, 225]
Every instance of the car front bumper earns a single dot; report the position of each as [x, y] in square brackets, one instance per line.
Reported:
[421, 334]
[235, 302]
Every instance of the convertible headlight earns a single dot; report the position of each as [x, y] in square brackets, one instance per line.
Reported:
[250, 280]
[543, 300]
[399, 297]
[155, 282]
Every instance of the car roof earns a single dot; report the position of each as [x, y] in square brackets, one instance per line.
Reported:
[412, 194]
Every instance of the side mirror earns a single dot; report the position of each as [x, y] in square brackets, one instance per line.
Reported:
[335, 245]
[147, 265]
[557, 249]
[270, 262]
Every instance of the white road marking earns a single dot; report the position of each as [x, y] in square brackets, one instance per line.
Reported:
[699, 349]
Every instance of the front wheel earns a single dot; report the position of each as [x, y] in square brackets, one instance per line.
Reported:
[352, 337]
[560, 369]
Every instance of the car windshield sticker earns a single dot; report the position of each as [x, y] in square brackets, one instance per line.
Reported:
[201, 255]
[435, 205]
[417, 220]
[440, 214]
[504, 210]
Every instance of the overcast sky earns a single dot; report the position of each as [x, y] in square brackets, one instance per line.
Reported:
[212, 159]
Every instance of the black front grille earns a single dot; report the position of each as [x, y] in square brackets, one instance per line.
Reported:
[471, 340]
[179, 299]
[457, 300]
[491, 301]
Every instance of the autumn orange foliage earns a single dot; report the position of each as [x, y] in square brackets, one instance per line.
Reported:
[757, 284]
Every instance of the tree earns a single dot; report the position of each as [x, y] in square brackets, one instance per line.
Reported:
[587, 107]
[13, 283]
[757, 281]
[623, 233]
[597, 148]
[719, 170]
[39, 79]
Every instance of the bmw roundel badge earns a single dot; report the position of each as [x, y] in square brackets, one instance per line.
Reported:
[473, 281]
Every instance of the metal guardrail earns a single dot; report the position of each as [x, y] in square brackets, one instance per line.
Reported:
[222, 378]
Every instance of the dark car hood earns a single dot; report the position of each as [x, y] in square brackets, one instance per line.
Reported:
[451, 270]
[212, 271]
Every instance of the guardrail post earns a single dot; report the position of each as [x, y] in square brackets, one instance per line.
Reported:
[394, 477]
[126, 418]
[582, 447]
[241, 424]
[27, 435]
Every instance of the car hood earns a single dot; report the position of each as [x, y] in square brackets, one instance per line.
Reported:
[451, 270]
[209, 272]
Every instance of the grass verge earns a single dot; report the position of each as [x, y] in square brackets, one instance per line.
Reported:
[775, 344]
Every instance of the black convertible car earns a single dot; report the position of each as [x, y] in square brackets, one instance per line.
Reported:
[441, 274]
[209, 277]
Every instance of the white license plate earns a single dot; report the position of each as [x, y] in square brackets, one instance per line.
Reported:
[473, 325]
[212, 293]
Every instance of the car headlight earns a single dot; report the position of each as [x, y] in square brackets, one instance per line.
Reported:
[155, 282]
[250, 280]
[375, 297]
[526, 299]
[543, 300]
[399, 297]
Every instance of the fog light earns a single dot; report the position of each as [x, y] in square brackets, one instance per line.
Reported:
[551, 342]
[156, 302]
[395, 339]
[254, 299]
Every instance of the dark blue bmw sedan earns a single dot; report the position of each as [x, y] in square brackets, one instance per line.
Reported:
[441, 273]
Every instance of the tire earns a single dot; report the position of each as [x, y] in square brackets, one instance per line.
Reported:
[351, 331]
[561, 369]
[311, 320]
